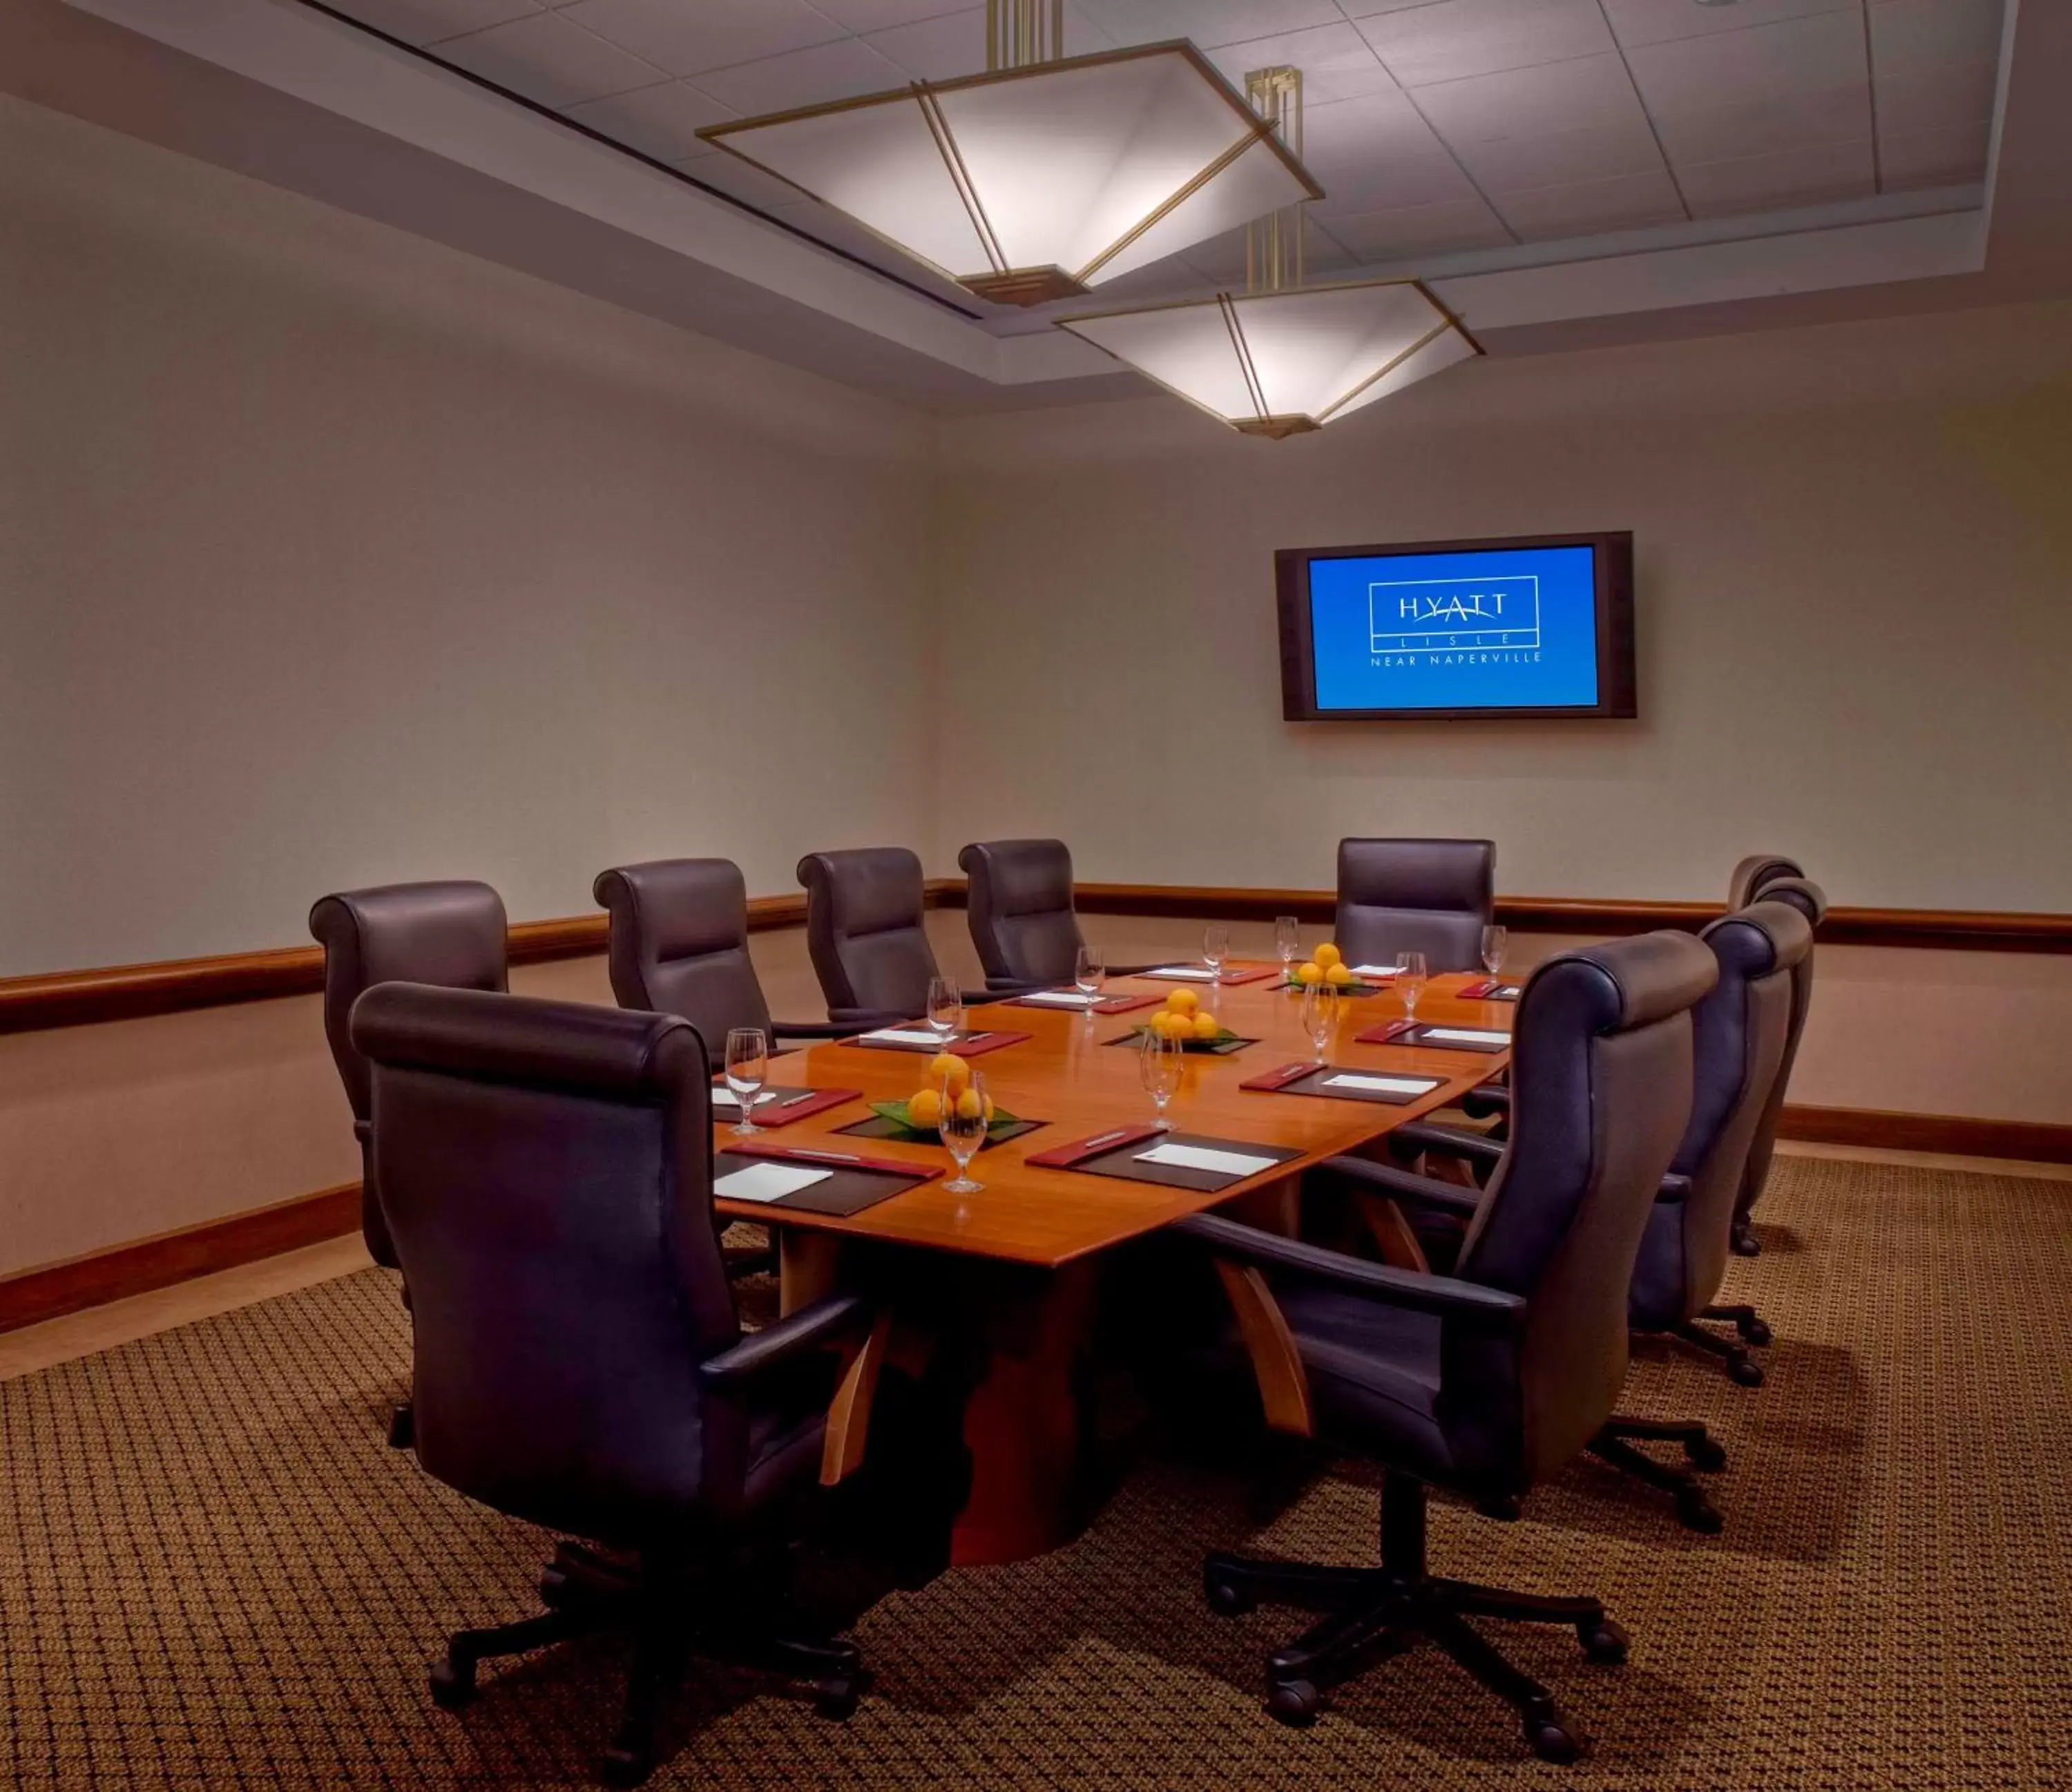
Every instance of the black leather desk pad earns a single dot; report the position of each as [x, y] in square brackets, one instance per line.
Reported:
[846, 1191]
[1419, 1034]
[1200, 1048]
[1313, 1084]
[1122, 1162]
[877, 1127]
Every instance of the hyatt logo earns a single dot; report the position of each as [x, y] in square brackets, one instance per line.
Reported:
[1425, 614]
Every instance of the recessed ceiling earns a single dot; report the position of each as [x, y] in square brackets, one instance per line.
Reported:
[1437, 128]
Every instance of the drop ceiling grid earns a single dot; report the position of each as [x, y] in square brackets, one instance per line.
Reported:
[1433, 126]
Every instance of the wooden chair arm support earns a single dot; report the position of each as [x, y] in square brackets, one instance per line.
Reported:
[849, 1413]
[1283, 1388]
[1393, 1235]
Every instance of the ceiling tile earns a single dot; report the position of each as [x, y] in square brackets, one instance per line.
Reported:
[1590, 92]
[1774, 182]
[1388, 183]
[1335, 61]
[1590, 207]
[1604, 152]
[1909, 35]
[1639, 22]
[661, 121]
[1209, 23]
[1953, 158]
[953, 44]
[1222, 258]
[878, 15]
[838, 71]
[547, 59]
[1764, 127]
[688, 38]
[1452, 39]
[1740, 67]
[427, 21]
[1936, 99]
[1421, 230]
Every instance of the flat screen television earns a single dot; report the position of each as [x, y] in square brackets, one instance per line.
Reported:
[1528, 626]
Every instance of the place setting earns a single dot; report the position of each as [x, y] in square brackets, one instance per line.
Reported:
[1215, 967]
[757, 1105]
[1087, 994]
[1492, 987]
[943, 1031]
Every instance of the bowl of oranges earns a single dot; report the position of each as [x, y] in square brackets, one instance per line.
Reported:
[1184, 1018]
[1327, 969]
[946, 1078]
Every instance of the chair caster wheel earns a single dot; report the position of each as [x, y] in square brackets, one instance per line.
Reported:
[1503, 1508]
[453, 1683]
[1552, 1740]
[1696, 1513]
[838, 1697]
[1747, 1244]
[1744, 1372]
[402, 1427]
[624, 1766]
[1707, 1453]
[1229, 1598]
[1603, 1642]
[1294, 1702]
[1754, 1332]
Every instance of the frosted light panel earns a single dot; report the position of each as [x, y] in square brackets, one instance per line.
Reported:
[1436, 356]
[1186, 347]
[1310, 349]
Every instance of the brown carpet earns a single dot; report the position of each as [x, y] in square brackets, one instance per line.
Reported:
[213, 1574]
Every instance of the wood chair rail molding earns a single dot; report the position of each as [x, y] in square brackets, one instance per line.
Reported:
[126, 992]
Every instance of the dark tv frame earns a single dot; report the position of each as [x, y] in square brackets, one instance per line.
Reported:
[1613, 605]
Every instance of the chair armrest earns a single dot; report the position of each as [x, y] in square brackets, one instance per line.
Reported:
[1468, 1302]
[837, 1317]
[1401, 1184]
[810, 1029]
[997, 987]
[1424, 1136]
[859, 1020]
[1487, 1102]
[1674, 1188]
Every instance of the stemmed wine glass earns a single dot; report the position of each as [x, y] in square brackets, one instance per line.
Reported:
[962, 1128]
[1287, 943]
[1088, 970]
[1215, 948]
[1493, 941]
[946, 1008]
[1160, 1066]
[747, 1065]
[1410, 974]
[1319, 1016]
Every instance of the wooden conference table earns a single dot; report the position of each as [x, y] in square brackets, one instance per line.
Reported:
[1031, 1238]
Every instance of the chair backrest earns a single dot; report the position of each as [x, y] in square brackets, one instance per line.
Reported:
[866, 928]
[1600, 1093]
[1434, 897]
[1811, 902]
[680, 944]
[1737, 1044]
[1019, 905]
[547, 1171]
[450, 934]
[1758, 870]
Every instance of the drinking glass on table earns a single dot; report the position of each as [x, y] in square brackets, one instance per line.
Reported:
[1215, 947]
[1494, 939]
[946, 1007]
[962, 1128]
[1410, 976]
[1319, 1016]
[1160, 1066]
[1287, 943]
[747, 1067]
[1089, 969]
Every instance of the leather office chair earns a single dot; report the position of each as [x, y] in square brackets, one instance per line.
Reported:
[1487, 1380]
[1810, 901]
[866, 929]
[1753, 874]
[1019, 907]
[546, 1169]
[1434, 897]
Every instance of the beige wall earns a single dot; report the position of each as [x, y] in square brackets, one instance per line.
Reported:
[330, 556]
[1853, 550]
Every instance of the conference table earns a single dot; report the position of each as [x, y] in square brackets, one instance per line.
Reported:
[1024, 1251]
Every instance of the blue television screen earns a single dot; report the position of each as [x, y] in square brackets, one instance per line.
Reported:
[1459, 629]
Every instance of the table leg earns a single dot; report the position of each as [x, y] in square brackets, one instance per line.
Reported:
[808, 1264]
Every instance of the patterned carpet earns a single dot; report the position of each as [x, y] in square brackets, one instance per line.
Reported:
[213, 1574]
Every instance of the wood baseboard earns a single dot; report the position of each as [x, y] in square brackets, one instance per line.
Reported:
[1950, 1135]
[52, 1290]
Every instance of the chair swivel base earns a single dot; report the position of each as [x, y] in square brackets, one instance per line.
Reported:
[586, 1592]
[1373, 1611]
[1614, 1444]
[1744, 1242]
[1742, 1368]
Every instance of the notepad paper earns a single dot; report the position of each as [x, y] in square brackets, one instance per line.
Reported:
[767, 1181]
[726, 1097]
[1062, 999]
[1384, 1086]
[904, 1036]
[1199, 1157]
[1187, 974]
[1367, 971]
[1469, 1035]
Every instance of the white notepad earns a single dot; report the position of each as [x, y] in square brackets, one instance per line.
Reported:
[1371, 971]
[1062, 999]
[726, 1097]
[1383, 1085]
[904, 1036]
[1199, 1157]
[1186, 974]
[1466, 1035]
[767, 1181]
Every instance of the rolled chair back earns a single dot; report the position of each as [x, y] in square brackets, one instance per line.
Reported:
[547, 1172]
[1600, 1094]
[1753, 874]
[1433, 896]
[680, 944]
[450, 934]
[1019, 905]
[866, 928]
[1811, 902]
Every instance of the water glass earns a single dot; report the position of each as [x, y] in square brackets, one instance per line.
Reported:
[946, 1008]
[1160, 1066]
[1287, 942]
[1089, 969]
[1215, 947]
[964, 1131]
[747, 1067]
[1494, 941]
[1410, 976]
[1319, 1016]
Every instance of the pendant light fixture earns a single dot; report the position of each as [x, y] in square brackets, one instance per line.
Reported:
[1281, 358]
[1044, 177]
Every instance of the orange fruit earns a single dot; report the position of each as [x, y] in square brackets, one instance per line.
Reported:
[969, 1107]
[1308, 974]
[1206, 1026]
[924, 1108]
[1183, 1001]
[1337, 976]
[947, 1067]
[1327, 955]
[988, 1110]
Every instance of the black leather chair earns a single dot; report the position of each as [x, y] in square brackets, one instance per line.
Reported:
[1807, 898]
[1434, 897]
[866, 928]
[1491, 1378]
[546, 1169]
[1019, 906]
[1753, 874]
[679, 944]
